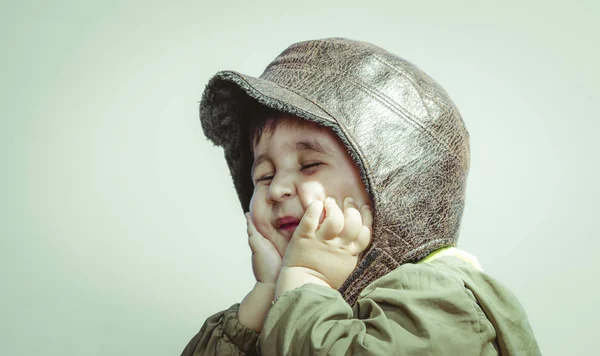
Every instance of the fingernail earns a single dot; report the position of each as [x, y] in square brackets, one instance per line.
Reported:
[351, 201]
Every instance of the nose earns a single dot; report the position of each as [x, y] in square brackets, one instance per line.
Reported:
[281, 188]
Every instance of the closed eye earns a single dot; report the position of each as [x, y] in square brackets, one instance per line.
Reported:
[311, 165]
[261, 179]
[302, 168]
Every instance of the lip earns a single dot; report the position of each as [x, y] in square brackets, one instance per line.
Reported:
[287, 223]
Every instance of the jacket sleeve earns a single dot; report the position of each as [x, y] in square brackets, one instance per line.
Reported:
[222, 334]
[417, 312]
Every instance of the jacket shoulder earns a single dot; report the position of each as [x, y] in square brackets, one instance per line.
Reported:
[453, 284]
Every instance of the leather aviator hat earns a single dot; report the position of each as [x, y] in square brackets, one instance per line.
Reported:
[400, 127]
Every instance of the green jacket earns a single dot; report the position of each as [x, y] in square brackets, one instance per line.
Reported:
[441, 307]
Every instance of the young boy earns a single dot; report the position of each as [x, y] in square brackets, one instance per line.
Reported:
[352, 164]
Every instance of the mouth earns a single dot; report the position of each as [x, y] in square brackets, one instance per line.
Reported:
[287, 223]
[289, 227]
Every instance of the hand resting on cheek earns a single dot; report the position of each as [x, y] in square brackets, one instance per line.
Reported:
[326, 253]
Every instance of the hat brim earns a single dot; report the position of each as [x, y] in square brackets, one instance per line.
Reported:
[229, 99]
[274, 96]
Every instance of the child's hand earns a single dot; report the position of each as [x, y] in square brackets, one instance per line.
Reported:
[266, 263]
[266, 260]
[328, 251]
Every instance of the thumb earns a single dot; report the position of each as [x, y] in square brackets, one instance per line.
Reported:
[254, 237]
[258, 243]
[250, 228]
[261, 247]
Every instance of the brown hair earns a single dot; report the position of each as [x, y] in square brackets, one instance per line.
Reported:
[267, 120]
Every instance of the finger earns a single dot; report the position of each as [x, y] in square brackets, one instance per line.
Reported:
[254, 237]
[352, 220]
[334, 220]
[362, 240]
[365, 235]
[310, 221]
[254, 241]
[367, 216]
[260, 245]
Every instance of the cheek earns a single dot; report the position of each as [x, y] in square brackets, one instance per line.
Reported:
[351, 187]
[359, 192]
[332, 185]
[258, 212]
[311, 191]
[253, 206]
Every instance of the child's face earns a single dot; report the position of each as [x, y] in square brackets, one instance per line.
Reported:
[296, 164]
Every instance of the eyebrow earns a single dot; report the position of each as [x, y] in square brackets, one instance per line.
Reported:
[303, 145]
[312, 145]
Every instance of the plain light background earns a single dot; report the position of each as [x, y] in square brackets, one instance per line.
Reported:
[120, 230]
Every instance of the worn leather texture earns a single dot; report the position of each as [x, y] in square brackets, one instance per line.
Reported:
[400, 127]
